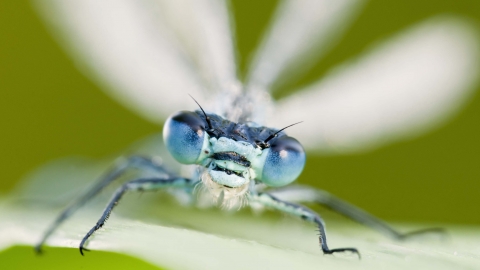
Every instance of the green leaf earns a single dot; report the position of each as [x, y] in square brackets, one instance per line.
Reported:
[186, 238]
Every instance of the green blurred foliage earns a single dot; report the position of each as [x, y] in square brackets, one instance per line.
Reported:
[22, 257]
[48, 110]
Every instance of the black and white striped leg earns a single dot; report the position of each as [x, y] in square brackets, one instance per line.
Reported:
[303, 212]
[302, 194]
[132, 162]
[141, 184]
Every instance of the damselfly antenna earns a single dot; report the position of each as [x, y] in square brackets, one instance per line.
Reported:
[206, 116]
[275, 134]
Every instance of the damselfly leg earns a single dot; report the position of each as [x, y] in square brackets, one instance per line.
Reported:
[123, 165]
[141, 184]
[303, 194]
[303, 212]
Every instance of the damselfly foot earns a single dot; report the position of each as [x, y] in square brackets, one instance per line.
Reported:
[337, 250]
[82, 249]
[419, 233]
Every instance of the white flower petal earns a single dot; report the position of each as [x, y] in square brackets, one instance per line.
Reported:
[149, 54]
[398, 90]
[300, 32]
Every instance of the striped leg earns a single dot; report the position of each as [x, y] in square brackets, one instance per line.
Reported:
[141, 184]
[303, 212]
[304, 194]
[133, 162]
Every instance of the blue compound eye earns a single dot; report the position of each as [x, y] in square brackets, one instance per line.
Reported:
[284, 162]
[184, 135]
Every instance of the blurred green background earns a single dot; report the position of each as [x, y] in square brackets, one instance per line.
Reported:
[50, 110]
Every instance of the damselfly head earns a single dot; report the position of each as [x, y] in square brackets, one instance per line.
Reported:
[234, 154]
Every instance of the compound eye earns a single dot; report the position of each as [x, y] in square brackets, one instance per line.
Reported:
[184, 135]
[284, 162]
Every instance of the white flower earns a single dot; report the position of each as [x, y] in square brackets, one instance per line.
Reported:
[149, 54]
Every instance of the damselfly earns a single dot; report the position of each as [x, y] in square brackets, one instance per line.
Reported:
[153, 53]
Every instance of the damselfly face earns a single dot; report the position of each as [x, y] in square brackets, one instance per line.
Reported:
[235, 155]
